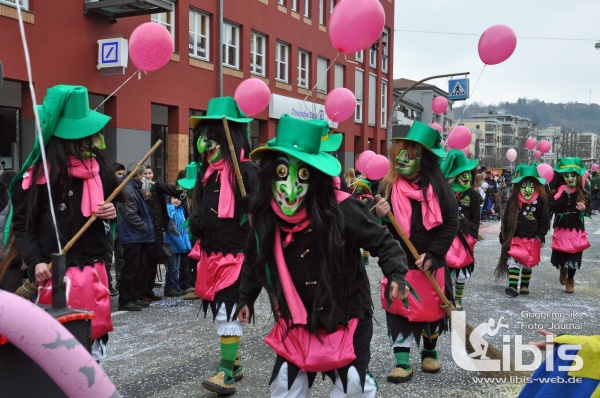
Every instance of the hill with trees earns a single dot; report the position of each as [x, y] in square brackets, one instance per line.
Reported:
[572, 115]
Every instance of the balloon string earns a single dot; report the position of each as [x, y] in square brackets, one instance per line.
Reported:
[118, 88]
[37, 122]
[315, 86]
[466, 106]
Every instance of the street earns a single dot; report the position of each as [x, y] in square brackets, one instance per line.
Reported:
[168, 349]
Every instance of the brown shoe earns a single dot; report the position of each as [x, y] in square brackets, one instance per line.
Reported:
[430, 364]
[400, 375]
[570, 287]
[191, 296]
[220, 383]
[524, 290]
[563, 275]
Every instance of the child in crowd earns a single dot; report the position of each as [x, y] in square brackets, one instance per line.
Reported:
[179, 241]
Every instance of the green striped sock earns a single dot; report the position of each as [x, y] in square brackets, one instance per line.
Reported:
[525, 276]
[458, 291]
[229, 349]
[513, 277]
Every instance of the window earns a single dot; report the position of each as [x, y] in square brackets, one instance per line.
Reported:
[385, 39]
[360, 55]
[384, 95]
[231, 45]
[281, 2]
[358, 93]
[258, 50]
[303, 68]
[338, 78]
[372, 99]
[294, 6]
[282, 59]
[373, 55]
[307, 8]
[322, 12]
[199, 35]
[23, 3]
[322, 66]
[166, 19]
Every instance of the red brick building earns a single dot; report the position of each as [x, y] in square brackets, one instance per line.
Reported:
[283, 42]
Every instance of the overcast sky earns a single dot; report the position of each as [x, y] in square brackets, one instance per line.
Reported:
[556, 68]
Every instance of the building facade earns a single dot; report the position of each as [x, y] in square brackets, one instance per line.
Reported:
[217, 45]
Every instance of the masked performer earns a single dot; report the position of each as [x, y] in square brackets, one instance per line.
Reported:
[80, 180]
[460, 173]
[524, 226]
[569, 203]
[305, 251]
[217, 221]
[422, 202]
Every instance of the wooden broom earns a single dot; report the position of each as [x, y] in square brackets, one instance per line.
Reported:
[28, 287]
[447, 306]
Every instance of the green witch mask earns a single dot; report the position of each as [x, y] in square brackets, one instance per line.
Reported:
[290, 184]
[212, 148]
[408, 166]
[570, 178]
[462, 182]
[527, 189]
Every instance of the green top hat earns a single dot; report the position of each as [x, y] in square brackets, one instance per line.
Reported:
[428, 137]
[329, 142]
[191, 173]
[456, 163]
[301, 139]
[219, 107]
[363, 183]
[66, 113]
[524, 171]
[564, 165]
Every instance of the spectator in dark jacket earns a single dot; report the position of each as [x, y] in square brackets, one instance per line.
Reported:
[135, 230]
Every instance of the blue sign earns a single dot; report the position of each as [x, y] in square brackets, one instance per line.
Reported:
[110, 52]
[458, 89]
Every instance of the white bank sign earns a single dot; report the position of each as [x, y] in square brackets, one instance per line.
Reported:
[297, 108]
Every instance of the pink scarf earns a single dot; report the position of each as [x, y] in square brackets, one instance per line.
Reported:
[301, 221]
[402, 192]
[563, 188]
[89, 172]
[530, 201]
[226, 201]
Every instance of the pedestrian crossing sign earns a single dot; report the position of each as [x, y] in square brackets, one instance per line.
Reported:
[458, 89]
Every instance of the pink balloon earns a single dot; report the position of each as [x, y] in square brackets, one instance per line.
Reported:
[377, 167]
[544, 146]
[437, 127]
[511, 155]
[443, 143]
[496, 44]
[587, 175]
[460, 137]
[537, 154]
[595, 167]
[252, 96]
[363, 158]
[545, 171]
[466, 152]
[150, 46]
[356, 24]
[340, 104]
[530, 143]
[439, 105]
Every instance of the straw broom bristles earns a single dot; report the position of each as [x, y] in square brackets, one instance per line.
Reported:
[28, 287]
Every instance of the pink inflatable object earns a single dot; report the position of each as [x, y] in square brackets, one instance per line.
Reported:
[363, 158]
[356, 24]
[150, 46]
[530, 143]
[496, 44]
[53, 348]
[439, 105]
[340, 104]
[252, 96]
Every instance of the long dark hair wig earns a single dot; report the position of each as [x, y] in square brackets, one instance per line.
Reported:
[431, 174]
[326, 223]
[215, 131]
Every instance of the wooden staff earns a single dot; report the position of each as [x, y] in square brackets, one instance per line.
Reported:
[29, 287]
[236, 166]
[447, 306]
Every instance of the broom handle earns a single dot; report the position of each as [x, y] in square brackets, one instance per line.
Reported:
[110, 198]
[234, 160]
[415, 254]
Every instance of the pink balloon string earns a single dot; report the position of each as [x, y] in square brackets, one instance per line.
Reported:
[310, 93]
[118, 88]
